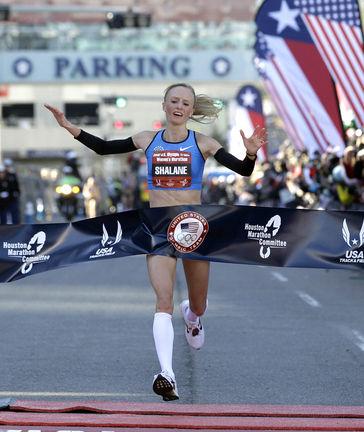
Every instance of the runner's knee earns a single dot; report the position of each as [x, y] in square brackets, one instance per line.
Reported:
[164, 302]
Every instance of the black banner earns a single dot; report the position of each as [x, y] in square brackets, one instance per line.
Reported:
[234, 234]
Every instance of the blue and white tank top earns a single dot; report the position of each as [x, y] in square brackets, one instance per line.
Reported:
[174, 166]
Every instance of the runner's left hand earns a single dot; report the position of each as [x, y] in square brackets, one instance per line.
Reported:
[257, 140]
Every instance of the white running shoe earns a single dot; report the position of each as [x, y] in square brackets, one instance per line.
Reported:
[165, 386]
[194, 332]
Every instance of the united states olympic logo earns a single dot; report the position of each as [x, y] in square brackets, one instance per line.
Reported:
[187, 231]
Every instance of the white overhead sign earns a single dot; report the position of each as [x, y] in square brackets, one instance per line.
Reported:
[66, 66]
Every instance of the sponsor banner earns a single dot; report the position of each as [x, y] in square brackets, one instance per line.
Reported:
[232, 234]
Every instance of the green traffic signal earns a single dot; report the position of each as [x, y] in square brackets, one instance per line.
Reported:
[121, 102]
[219, 103]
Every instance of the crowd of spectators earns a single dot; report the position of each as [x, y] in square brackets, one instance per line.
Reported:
[296, 180]
[290, 179]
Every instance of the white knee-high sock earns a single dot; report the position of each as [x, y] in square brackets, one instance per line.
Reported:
[163, 339]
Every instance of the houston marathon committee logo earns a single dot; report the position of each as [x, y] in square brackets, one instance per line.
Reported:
[28, 252]
[353, 255]
[265, 235]
[108, 242]
[187, 231]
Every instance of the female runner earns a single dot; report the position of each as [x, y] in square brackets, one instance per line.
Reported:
[180, 105]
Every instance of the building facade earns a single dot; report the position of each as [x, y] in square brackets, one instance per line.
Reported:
[108, 77]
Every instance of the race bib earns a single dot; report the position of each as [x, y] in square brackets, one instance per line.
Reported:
[171, 169]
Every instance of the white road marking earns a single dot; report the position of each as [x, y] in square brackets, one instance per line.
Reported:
[354, 335]
[308, 299]
[12, 430]
[279, 276]
[358, 339]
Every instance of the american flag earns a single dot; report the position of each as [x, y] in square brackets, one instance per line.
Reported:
[335, 27]
[189, 227]
[289, 95]
[278, 90]
[285, 114]
[298, 76]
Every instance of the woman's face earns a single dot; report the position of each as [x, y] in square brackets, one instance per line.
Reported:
[178, 105]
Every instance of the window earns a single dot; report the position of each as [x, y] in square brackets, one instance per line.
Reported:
[82, 113]
[18, 114]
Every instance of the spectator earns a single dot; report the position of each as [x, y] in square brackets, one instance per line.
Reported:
[115, 192]
[358, 169]
[92, 195]
[14, 192]
[4, 196]
[348, 161]
[143, 194]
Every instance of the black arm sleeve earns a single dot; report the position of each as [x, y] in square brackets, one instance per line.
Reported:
[104, 147]
[244, 167]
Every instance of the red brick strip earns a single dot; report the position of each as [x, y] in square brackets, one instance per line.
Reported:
[96, 416]
[181, 421]
[197, 410]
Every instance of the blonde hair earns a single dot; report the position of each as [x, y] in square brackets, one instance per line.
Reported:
[206, 109]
